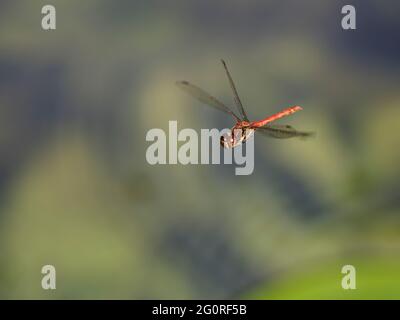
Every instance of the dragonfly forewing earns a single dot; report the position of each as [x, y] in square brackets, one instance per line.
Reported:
[238, 103]
[204, 97]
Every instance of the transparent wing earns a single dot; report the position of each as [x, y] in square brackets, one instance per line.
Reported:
[235, 94]
[283, 132]
[204, 97]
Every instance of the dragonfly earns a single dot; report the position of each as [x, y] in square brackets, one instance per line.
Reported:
[244, 128]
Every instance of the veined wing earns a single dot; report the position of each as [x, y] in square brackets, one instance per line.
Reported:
[283, 131]
[204, 97]
[236, 96]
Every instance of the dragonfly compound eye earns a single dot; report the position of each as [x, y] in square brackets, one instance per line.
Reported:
[226, 141]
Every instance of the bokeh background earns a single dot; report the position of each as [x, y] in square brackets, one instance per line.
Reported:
[76, 191]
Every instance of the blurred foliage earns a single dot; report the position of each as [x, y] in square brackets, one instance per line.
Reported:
[375, 280]
[76, 190]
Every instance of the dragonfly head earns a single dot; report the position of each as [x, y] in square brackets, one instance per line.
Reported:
[235, 137]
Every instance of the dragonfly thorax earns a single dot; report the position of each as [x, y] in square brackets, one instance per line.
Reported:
[238, 134]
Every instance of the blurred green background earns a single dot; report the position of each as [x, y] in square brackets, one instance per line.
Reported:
[76, 191]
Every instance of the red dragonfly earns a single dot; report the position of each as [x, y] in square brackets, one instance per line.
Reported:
[244, 128]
